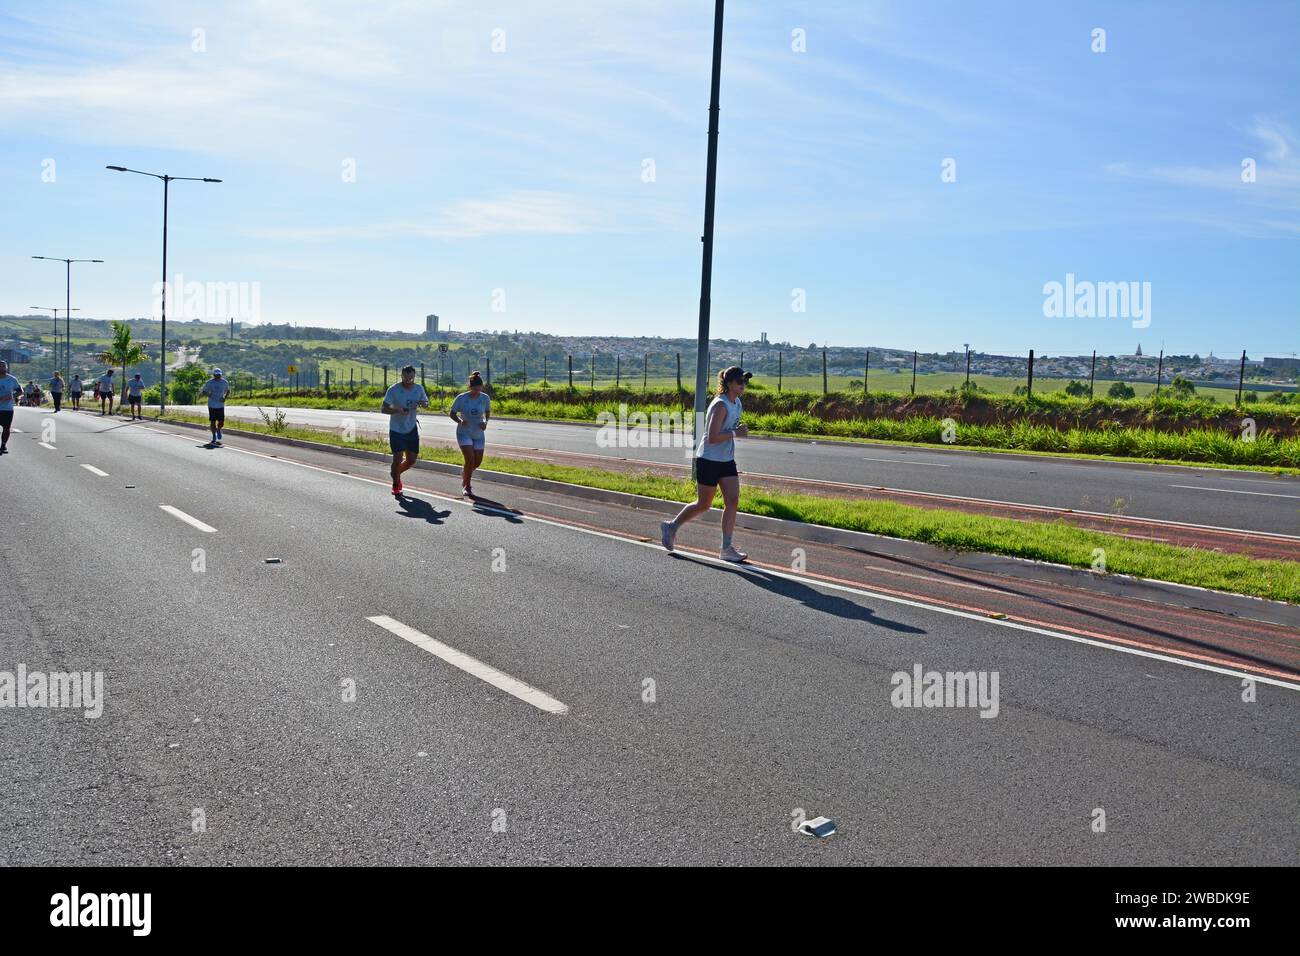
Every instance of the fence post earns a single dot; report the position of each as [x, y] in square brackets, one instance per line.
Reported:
[352, 378]
[570, 373]
[593, 373]
[1241, 380]
[866, 371]
[618, 372]
[421, 375]
[524, 361]
[913, 371]
[824, 389]
[1029, 392]
[488, 360]
[1031, 365]
[1160, 370]
[1092, 376]
[780, 361]
[679, 371]
[645, 371]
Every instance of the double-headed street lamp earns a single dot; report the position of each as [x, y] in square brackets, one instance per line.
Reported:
[67, 345]
[55, 310]
[162, 358]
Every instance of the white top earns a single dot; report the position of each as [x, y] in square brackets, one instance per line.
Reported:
[399, 396]
[215, 389]
[10, 390]
[724, 450]
[473, 410]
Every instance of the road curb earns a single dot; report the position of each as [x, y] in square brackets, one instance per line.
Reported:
[1117, 585]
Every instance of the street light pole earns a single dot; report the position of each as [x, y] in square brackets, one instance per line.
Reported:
[55, 310]
[68, 310]
[162, 358]
[706, 267]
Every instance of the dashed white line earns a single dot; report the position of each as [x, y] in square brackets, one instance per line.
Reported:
[47, 445]
[1234, 491]
[484, 672]
[188, 519]
[95, 471]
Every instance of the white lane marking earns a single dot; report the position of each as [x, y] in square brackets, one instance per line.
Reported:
[484, 672]
[1254, 481]
[95, 471]
[47, 445]
[177, 513]
[862, 592]
[17, 431]
[1235, 491]
[552, 504]
[905, 461]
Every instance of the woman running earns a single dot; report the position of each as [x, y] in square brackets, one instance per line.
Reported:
[471, 411]
[715, 463]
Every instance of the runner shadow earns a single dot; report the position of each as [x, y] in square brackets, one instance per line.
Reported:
[806, 595]
[495, 509]
[419, 508]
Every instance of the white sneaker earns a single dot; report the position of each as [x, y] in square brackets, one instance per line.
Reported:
[667, 534]
[731, 554]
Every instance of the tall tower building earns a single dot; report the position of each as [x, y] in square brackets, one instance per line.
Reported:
[431, 325]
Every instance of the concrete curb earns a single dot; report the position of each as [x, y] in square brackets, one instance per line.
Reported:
[1118, 585]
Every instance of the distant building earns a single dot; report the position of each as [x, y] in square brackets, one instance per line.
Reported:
[430, 325]
[15, 356]
[1282, 362]
[1138, 353]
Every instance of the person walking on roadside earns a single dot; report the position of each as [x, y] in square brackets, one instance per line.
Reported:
[75, 392]
[11, 390]
[715, 463]
[470, 411]
[216, 388]
[134, 395]
[105, 389]
[402, 403]
[56, 390]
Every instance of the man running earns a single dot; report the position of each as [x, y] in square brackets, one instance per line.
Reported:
[76, 390]
[401, 404]
[216, 388]
[10, 391]
[134, 395]
[106, 391]
[471, 411]
[56, 390]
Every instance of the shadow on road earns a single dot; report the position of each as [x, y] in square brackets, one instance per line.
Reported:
[806, 595]
[419, 508]
[495, 509]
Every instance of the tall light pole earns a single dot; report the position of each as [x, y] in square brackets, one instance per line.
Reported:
[162, 358]
[706, 267]
[55, 310]
[67, 345]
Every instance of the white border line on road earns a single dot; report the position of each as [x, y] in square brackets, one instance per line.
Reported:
[188, 519]
[861, 592]
[47, 445]
[484, 672]
[95, 471]
[1235, 491]
[904, 461]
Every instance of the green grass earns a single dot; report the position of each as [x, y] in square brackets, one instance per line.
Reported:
[1054, 542]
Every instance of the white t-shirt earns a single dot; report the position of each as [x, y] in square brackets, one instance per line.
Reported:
[56, 385]
[105, 385]
[10, 390]
[399, 396]
[215, 389]
[135, 387]
[474, 410]
[76, 386]
[725, 450]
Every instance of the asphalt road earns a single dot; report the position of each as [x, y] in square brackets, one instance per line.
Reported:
[224, 693]
[1239, 500]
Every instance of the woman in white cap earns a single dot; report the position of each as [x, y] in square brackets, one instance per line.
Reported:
[715, 463]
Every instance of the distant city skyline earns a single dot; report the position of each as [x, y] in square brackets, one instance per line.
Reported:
[913, 174]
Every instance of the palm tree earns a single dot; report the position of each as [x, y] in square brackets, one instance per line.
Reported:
[123, 352]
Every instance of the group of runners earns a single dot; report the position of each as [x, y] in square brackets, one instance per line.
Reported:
[715, 457]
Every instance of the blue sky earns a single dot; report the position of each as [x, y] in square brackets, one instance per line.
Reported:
[522, 168]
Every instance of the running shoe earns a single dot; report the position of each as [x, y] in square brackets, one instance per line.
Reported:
[397, 487]
[667, 534]
[731, 554]
[467, 491]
